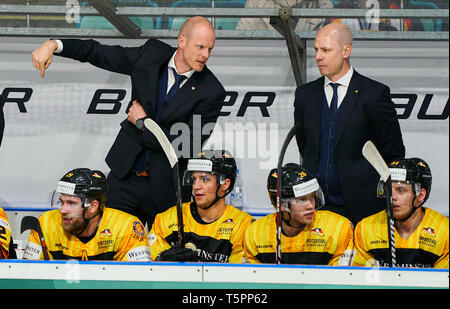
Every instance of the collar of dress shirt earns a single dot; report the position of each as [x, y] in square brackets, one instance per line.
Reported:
[344, 80]
[172, 65]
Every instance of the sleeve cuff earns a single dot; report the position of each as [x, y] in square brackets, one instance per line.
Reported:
[60, 47]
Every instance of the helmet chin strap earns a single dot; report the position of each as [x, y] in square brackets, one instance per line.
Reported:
[87, 220]
[288, 222]
[216, 199]
[413, 210]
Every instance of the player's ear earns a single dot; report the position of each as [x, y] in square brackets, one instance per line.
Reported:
[421, 196]
[225, 185]
[94, 206]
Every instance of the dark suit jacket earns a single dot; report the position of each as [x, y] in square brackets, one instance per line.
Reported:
[367, 113]
[201, 95]
[2, 120]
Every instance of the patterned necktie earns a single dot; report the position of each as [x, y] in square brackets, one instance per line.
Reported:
[334, 100]
[176, 84]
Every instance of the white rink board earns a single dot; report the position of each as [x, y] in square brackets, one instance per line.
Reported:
[295, 275]
[78, 271]
[328, 275]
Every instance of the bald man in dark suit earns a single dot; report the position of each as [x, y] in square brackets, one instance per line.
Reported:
[338, 113]
[171, 86]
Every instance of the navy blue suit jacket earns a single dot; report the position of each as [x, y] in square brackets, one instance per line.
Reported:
[2, 120]
[201, 95]
[367, 113]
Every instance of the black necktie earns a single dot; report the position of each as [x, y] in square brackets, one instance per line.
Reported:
[334, 100]
[176, 84]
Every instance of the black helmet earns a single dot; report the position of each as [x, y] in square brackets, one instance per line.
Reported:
[415, 171]
[218, 162]
[88, 184]
[296, 181]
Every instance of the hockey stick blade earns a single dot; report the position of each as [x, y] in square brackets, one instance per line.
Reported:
[32, 223]
[173, 161]
[370, 152]
[163, 141]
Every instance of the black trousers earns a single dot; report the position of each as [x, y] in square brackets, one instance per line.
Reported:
[2, 121]
[132, 195]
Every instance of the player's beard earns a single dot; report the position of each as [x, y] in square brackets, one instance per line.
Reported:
[72, 223]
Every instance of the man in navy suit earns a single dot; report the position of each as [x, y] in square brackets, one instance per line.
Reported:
[171, 86]
[338, 113]
[2, 120]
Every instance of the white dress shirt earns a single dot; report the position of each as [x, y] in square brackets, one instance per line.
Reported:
[343, 82]
[171, 78]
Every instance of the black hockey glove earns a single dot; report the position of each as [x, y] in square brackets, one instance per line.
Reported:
[176, 254]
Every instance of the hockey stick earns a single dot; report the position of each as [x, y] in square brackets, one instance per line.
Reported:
[286, 142]
[372, 155]
[173, 161]
[32, 223]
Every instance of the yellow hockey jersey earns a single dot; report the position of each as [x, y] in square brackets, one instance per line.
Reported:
[218, 241]
[5, 235]
[119, 237]
[426, 247]
[328, 240]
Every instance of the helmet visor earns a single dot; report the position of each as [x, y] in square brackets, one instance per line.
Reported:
[198, 169]
[55, 201]
[305, 194]
[304, 204]
[397, 175]
[64, 189]
[190, 177]
[381, 192]
[58, 199]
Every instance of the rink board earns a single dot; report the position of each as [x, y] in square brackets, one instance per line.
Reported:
[16, 274]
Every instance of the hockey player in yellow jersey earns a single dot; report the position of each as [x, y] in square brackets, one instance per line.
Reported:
[6, 243]
[83, 228]
[421, 234]
[309, 235]
[213, 231]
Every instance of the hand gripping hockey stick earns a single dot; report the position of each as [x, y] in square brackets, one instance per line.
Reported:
[372, 155]
[32, 223]
[286, 142]
[173, 161]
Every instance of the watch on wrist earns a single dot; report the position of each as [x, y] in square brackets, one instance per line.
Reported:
[140, 123]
